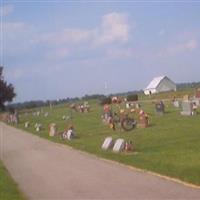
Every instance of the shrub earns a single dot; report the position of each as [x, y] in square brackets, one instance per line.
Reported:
[106, 100]
[132, 97]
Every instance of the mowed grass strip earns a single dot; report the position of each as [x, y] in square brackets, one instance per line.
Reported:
[170, 146]
[8, 188]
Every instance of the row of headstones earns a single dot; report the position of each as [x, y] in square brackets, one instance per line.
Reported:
[69, 134]
[37, 126]
[178, 104]
[117, 146]
[52, 130]
[38, 113]
[188, 106]
[46, 114]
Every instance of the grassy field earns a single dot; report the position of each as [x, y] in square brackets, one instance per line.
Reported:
[8, 189]
[170, 146]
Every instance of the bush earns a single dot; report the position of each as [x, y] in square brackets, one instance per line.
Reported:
[106, 100]
[132, 97]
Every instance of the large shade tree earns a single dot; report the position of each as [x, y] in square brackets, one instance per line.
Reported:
[6, 91]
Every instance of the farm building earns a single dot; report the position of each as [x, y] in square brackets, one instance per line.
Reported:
[160, 84]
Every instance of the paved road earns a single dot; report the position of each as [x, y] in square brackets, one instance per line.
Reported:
[49, 171]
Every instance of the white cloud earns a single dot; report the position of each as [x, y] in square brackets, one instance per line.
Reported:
[22, 38]
[14, 27]
[18, 37]
[6, 10]
[120, 53]
[183, 47]
[179, 48]
[66, 36]
[161, 32]
[57, 54]
[114, 28]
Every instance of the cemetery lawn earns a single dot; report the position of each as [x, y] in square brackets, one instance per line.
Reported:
[170, 146]
[8, 189]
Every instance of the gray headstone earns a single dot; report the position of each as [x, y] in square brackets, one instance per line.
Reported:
[46, 114]
[160, 108]
[196, 101]
[108, 143]
[119, 145]
[186, 108]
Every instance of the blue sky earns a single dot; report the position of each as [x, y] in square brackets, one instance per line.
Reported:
[58, 49]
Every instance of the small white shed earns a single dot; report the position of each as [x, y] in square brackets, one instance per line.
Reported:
[160, 84]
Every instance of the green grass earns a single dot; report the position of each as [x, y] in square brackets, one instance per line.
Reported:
[170, 146]
[8, 189]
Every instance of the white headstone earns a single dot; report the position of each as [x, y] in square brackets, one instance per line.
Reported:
[70, 134]
[119, 145]
[26, 125]
[176, 104]
[52, 129]
[63, 117]
[108, 143]
[38, 126]
[38, 113]
[127, 105]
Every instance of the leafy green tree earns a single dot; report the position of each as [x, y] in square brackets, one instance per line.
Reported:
[6, 91]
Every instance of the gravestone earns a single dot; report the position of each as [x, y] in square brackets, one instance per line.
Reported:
[108, 143]
[38, 127]
[198, 93]
[186, 97]
[196, 101]
[70, 134]
[137, 105]
[63, 117]
[186, 108]
[143, 121]
[176, 104]
[46, 114]
[26, 125]
[52, 129]
[119, 145]
[127, 105]
[38, 113]
[160, 108]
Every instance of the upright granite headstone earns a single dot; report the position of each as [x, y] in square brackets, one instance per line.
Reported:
[196, 101]
[186, 108]
[119, 145]
[160, 108]
[108, 143]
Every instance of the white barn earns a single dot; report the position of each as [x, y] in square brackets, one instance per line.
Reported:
[160, 84]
